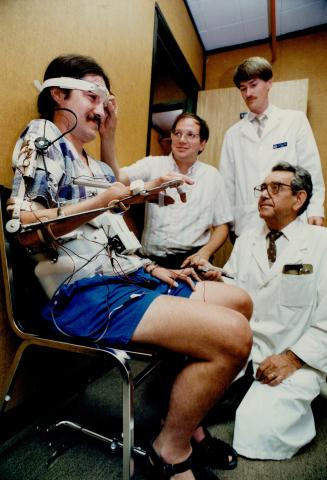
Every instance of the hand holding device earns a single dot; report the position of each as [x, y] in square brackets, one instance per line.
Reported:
[203, 269]
[116, 206]
[155, 195]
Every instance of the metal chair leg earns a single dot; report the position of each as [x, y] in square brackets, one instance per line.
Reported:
[128, 421]
[8, 388]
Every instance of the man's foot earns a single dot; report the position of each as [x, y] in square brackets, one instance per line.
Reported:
[214, 453]
[160, 470]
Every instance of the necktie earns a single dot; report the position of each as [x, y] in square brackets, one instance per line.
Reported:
[273, 235]
[260, 121]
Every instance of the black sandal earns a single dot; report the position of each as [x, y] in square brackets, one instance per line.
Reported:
[160, 470]
[214, 453]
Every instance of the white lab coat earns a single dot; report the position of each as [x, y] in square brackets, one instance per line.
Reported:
[246, 159]
[290, 311]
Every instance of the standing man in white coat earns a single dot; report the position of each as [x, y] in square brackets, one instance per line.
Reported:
[265, 136]
[287, 280]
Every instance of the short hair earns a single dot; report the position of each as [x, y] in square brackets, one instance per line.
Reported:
[74, 66]
[252, 67]
[204, 129]
[301, 181]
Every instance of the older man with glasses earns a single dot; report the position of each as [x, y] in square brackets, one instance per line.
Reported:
[283, 266]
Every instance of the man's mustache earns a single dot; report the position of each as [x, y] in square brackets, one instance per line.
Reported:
[95, 118]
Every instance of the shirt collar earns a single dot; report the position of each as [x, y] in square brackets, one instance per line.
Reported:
[289, 231]
[252, 116]
[191, 171]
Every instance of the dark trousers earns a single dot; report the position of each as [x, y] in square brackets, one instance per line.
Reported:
[173, 261]
[227, 405]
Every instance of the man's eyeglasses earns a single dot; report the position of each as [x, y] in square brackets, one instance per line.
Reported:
[190, 136]
[273, 188]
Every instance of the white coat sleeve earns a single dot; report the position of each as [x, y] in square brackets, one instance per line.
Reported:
[308, 158]
[222, 212]
[227, 169]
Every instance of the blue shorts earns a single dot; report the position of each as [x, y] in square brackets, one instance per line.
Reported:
[106, 308]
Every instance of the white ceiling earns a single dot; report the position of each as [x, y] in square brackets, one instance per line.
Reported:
[223, 23]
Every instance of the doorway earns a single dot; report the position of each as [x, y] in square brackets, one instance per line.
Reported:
[174, 88]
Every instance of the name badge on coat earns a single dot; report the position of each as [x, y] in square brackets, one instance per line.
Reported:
[280, 145]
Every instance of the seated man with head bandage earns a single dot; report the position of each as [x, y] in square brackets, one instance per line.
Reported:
[99, 291]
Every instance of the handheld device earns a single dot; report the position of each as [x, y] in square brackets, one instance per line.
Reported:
[203, 269]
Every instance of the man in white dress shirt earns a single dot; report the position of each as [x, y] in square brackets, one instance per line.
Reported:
[265, 136]
[173, 235]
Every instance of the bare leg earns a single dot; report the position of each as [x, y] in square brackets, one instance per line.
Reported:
[230, 296]
[219, 339]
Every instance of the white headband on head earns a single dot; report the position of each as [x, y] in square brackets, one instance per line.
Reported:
[75, 84]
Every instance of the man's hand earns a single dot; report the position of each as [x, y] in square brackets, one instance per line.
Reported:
[168, 177]
[116, 191]
[108, 125]
[172, 277]
[316, 221]
[199, 258]
[203, 268]
[150, 193]
[275, 368]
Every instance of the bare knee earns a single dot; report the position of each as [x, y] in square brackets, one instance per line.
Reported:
[241, 335]
[222, 294]
[243, 303]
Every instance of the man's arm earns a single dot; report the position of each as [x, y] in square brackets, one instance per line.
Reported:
[275, 368]
[173, 277]
[55, 230]
[311, 347]
[218, 237]
[107, 131]
[308, 158]
[227, 169]
[147, 169]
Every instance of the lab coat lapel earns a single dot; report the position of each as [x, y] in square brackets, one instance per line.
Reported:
[259, 252]
[294, 252]
[272, 122]
[248, 130]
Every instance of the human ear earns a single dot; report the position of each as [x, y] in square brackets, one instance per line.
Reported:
[301, 197]
[57, 94]
[202, 146]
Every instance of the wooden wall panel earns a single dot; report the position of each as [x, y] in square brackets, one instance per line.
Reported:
[184, 33]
